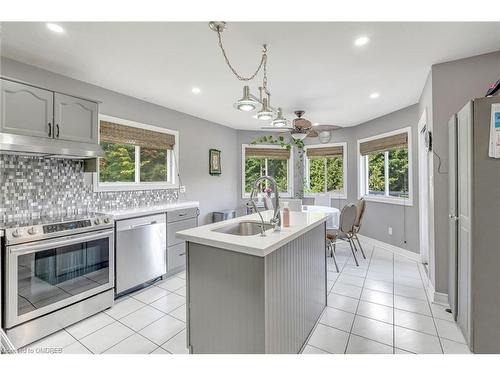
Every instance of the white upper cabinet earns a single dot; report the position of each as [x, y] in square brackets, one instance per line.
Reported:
[75, 119]
[26, 110]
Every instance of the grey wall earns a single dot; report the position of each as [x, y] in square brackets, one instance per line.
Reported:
[379, 216]
[197, 136]
[453, 84]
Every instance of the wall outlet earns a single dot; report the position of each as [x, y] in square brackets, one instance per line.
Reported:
[182, 189]
[390, 231]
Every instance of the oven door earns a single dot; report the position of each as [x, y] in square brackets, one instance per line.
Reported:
[45, 276]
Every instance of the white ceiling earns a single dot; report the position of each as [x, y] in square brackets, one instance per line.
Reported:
[312, 66]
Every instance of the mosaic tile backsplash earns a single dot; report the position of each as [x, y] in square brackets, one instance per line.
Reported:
[31, 187]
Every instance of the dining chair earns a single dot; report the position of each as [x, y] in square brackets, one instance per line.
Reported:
[361, 206]
[322, 199]
[345, 232]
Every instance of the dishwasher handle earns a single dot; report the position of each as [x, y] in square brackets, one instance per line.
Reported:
[143, 225]
[140, 222]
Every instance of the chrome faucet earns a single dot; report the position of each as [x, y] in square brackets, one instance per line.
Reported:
[276, 219]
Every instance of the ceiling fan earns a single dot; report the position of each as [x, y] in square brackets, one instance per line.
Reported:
[302, 128]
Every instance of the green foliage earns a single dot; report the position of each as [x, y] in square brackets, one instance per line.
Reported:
[376, 173]
[326, 174]
[256, 167]
[398, 173]
[119, 163]
[153, 165]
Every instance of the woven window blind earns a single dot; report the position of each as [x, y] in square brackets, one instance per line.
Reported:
[384, 144]
[128, 135]
[321, 152]
[267, 153]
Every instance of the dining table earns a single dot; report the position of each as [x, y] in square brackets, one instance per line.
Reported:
[332, 222]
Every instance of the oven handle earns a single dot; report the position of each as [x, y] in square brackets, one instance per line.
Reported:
[47, 244]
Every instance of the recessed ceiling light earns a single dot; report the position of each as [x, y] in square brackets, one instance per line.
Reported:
[195, 90]
[316, 123]
[374, 95]
[55, 28]
[361, 41]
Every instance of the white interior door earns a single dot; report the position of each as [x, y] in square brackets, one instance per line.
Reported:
[452, 215]
[423, 189]
[464, 152]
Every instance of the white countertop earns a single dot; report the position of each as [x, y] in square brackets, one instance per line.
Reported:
[300, 223]
[142, 211]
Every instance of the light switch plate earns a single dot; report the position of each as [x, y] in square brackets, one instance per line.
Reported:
[390, 231]
[183, 189]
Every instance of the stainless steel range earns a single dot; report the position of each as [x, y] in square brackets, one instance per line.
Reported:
[57, 271]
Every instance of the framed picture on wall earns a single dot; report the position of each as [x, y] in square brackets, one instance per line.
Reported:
[214, 162]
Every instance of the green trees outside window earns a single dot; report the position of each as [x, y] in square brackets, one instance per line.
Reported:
[119, 164]
[397, 163]
[257, 167]
[153, 165]
[326, 174]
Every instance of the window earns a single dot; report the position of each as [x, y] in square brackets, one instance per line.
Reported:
[137, 156]
[385, 167]
[264, 160]
[325, 169]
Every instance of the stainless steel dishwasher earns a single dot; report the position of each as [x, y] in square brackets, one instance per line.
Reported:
[141, 251]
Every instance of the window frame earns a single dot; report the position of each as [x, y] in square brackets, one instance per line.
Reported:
[289, 193]
[363, 171]
[333, 194]
[172, 161]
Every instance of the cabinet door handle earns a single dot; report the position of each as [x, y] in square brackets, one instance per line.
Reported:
[57, 129]
[50, 129]
[182, 254]
[183, 214]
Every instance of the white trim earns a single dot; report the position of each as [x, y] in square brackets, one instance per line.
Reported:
[333, 194]
[435, 297]
[126, 186]
[395, 249]
[423, 183]
[363, 171]
[289, 193]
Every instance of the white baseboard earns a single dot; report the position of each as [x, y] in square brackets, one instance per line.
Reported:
[393, 248]
[436, 297]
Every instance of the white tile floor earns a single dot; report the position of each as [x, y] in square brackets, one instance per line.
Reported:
[379, 307]
[152, 320]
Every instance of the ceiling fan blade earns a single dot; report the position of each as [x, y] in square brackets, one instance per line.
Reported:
[312, 134]
[276, 129]
[325, 127]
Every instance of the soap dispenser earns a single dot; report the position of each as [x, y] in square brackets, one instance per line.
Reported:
[286, 215]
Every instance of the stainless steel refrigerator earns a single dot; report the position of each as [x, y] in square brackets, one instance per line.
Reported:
[474, 227]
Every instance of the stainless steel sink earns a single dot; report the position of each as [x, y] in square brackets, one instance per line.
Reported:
[243, 228]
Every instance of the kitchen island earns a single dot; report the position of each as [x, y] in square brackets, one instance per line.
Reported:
[252, 294]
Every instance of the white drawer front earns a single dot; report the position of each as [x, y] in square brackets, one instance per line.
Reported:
[176, 256]
[173, 228]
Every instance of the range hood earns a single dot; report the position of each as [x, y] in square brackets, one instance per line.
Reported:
[13, 144]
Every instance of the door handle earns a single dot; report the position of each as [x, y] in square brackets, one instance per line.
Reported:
[452, 217]
[50, 130]
[57, 129]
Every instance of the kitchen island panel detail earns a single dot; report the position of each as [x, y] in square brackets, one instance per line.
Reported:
[241, 303]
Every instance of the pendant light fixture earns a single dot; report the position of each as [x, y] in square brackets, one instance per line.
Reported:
[246, 103]
[265, 112]
[250, 102]
[280, 121]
